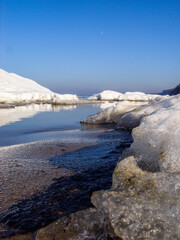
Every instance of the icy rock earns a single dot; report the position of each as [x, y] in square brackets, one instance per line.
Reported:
[15, 89]
[143, 202]
[141, 205]
[28, 236]
[87, 224]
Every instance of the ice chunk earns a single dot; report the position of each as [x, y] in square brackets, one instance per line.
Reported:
[157, 139]
[113, 113]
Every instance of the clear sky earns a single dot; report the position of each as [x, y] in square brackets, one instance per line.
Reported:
[86, 46]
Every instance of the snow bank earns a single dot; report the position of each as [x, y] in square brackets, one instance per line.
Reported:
[112, 114]
[128, 96]
[105, 95]
[16, 89]
[132, 119]
[128, 114]
[143, 202]
[157, 139]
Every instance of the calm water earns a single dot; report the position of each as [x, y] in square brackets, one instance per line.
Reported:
[43, 122]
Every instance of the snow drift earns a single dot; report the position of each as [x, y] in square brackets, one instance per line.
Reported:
[17, 89]
[109, 95]
[155, 130]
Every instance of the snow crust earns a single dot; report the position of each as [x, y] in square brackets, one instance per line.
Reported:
[156, 131]
[157, 139]
[16, 89]
[113, 113]
[132, 119]
[128, 96]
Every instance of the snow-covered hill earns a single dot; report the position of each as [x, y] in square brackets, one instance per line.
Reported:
[17, 89]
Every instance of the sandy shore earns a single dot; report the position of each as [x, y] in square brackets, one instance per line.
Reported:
[24, 169]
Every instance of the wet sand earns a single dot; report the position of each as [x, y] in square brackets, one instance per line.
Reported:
[24, 170]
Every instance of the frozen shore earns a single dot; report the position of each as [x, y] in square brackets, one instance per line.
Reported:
[37, 177]
[143, 202]
[25, 170]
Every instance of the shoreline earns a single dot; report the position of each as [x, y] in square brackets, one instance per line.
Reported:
[25, 163]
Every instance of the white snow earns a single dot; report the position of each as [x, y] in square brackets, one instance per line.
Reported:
[105, 95]
[114, 113]
[16, 89]
[157, 133]
[157, 139]
[109, 95]
[132, 119]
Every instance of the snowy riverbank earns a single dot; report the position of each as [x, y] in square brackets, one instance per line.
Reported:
[143, 202]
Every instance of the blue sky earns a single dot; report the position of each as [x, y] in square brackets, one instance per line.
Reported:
[86, 46]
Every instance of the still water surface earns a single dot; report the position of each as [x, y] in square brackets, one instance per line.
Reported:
[43, 122]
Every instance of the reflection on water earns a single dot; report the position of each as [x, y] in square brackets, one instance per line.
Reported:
[10, 115]
[36, 122]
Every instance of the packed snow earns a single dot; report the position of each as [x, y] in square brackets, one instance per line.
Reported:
[113, 113]
[157, 139]
[156, 130]
[109, 95]
[132, 119]
[17, 89]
